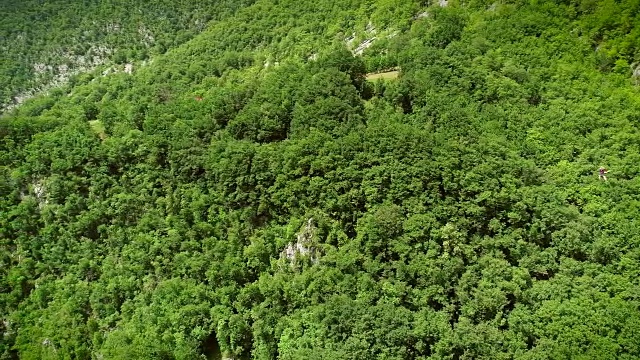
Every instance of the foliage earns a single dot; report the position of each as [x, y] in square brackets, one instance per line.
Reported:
[455, 212]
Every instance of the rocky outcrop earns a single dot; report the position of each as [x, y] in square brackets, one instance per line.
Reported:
[370, 32]
[304, 246]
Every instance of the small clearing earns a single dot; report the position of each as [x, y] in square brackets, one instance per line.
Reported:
[98, 128]
[387, 75]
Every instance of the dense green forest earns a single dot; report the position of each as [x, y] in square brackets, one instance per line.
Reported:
[244, 192]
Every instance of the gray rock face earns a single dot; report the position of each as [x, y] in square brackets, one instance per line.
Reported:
[40, 193]
[363, 46]
[303, 246]
[636, 73]
[422, 15]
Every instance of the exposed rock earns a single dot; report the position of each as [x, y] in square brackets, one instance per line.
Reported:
[443, 3]
[60, 73]
[147, 36]
[393, 34]
[200, 24]
[40, 193]
[370, 29]
[292, 249]
[635, 68]
[113, 27]
[363, 46]
[38, 189]
[303, 246]
[349, 41]
[39, 68]
[128, 68]
[6, 327]
[422, 15]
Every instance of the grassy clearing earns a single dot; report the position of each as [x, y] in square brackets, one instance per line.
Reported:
[98, 128]
[387, 75]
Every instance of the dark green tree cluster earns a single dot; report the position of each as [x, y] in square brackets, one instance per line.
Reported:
[239, 198]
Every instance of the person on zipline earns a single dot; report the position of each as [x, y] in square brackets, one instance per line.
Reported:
[601, 173]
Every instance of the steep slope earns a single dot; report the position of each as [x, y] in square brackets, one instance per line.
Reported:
[45, 43]
[453, 212]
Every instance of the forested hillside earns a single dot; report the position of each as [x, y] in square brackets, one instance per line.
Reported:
[44, 43]
[243, 192]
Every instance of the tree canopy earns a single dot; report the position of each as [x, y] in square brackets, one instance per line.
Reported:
[225, 182]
